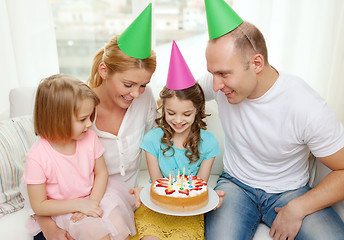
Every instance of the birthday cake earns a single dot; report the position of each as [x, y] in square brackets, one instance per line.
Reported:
[180, 194]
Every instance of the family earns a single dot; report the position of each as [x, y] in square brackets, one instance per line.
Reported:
[81, 174]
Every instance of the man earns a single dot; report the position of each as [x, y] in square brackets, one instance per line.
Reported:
[271, 122]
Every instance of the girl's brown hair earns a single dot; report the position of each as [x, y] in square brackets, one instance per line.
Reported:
[196, 95]
[58, 98]
[117, 61]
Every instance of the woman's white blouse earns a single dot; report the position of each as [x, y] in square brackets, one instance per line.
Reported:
[123, 152]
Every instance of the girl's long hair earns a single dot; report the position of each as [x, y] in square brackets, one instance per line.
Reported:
[191, 143]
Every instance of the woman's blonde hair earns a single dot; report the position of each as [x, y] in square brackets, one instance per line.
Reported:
[196, 95]
[58, 99]
[117, 61]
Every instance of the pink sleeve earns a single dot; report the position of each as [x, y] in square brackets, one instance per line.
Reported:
[33, 173]
[98, 147]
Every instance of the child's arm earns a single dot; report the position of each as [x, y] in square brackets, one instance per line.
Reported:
[44, 207]
[153, 167]
[205, 168]
[204, 173]
[100, 180]
[99, 186]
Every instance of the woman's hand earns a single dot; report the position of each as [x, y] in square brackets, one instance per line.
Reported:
[221, 195]
[50, 230]
[136, 192]
[59, 234]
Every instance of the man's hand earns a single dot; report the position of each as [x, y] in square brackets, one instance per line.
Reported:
[287, 223]
[136, 192]
[221, 195]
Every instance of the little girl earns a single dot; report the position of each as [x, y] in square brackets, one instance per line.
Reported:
[65, 171]
[180, 140]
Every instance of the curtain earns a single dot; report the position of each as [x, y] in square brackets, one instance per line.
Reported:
[304, 38]
[28, 49]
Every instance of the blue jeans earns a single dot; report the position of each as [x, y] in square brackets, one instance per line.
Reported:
[244, 207]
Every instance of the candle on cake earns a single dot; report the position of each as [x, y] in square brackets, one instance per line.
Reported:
[190, 180]
[178, 180]
[188, 175]
[170, 182]
[182, 183]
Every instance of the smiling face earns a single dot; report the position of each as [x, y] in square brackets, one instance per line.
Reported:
[123, 87]
[82, 121]
[233, 73]
[179, 114]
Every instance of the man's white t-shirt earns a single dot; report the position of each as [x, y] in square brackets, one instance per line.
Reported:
[268, 139]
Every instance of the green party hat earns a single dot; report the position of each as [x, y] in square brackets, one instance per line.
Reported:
[221, 18]
[136, 40]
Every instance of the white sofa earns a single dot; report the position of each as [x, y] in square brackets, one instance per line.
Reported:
[16, 137]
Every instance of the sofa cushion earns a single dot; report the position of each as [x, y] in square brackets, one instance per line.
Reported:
[16, 137]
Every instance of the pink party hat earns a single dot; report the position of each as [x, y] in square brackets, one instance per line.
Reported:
[179, 75]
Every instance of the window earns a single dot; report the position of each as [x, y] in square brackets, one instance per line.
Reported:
[83, 26]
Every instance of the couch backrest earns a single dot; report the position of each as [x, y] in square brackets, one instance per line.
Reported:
[22, 101]
[16, 137]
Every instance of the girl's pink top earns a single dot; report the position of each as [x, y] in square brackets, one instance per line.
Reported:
[65, 176]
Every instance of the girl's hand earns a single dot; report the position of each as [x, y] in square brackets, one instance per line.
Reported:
[89, 207]
[77, 217]
[136, 192]
[221, 195]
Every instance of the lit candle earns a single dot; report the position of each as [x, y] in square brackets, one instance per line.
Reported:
[189, 175]
[183, 170]
[178, 181]
[182, 183]
[169, 182]
[172, 177]
[175, 174]
[190, 180]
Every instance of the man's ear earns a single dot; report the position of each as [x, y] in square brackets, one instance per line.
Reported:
[258, 62]
[102, 70]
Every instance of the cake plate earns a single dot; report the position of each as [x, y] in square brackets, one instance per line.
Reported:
[146, 200]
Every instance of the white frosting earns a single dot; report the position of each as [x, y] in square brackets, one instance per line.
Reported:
[192, 193]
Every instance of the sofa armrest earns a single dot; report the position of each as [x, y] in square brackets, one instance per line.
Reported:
[13, 226]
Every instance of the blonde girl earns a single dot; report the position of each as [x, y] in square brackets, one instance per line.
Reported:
[65, 171]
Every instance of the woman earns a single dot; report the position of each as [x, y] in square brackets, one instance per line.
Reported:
[127, 107]
[126, 111]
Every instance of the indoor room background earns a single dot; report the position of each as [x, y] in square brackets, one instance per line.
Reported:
[43, 37]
